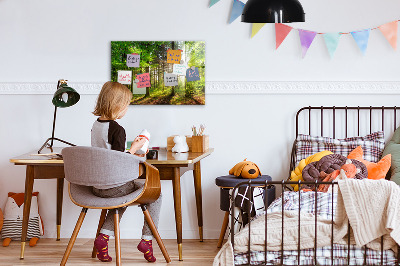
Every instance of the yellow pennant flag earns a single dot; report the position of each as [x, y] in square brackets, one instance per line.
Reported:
[255, 28]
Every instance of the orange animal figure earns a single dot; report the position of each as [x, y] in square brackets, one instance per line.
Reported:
[245, 169]
[348, 170]
[13, 214]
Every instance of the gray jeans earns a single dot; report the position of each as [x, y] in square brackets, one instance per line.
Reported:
[154, 208]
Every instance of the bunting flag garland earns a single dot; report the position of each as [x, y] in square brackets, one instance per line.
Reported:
[281, 31]
[361, 37]
[213, 2]
[332, 41]
[255, 28]
[389, 30]
[237, 9]
[306, 39]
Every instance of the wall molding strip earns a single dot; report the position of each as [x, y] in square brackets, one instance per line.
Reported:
[232, 87]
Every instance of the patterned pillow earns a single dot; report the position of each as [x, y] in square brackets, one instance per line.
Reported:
[372, 144]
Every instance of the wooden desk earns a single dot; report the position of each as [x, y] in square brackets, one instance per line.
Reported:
[169, 165]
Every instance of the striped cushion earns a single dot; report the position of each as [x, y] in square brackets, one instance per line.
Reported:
[372, 145]
[13, 228]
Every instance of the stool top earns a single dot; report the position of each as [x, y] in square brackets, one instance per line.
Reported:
[230, 181]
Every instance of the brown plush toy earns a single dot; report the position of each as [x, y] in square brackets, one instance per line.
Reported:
[245, 169]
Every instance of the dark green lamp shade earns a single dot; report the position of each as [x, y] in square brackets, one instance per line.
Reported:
[65, 96]
[273, 11]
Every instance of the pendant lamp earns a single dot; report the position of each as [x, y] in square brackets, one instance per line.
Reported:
[272, 11]
[64, 96]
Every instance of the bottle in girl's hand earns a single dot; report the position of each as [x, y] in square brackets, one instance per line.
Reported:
[144, 134]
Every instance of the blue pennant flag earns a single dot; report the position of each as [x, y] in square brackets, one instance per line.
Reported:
[237, 9]
[213, 2]
[361, 37]
[332, 41]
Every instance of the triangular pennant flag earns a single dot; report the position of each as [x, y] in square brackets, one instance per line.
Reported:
[306, 39]
[389, 30]
[361, 37]
[237, 9]
[281, 31]
[255, 28]
[213, 2]
[332, 41]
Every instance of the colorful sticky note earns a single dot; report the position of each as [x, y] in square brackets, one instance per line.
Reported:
[179, 69]
[132, 60]
[136, 90]
[125, 77]
[192, 74]
[174, 56]
[144, 80]
[170, 79]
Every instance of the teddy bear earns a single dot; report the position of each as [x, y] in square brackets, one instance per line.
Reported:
[13, 215]
[245, 169]
[180, 144]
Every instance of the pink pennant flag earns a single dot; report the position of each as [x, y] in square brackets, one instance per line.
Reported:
[389, 30]
[281, 31]
[306, 39]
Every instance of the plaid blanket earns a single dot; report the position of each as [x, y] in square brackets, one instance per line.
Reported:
[323, 205]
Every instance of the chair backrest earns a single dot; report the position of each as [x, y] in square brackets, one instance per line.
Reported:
[92, 166]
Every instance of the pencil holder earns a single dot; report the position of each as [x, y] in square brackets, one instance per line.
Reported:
[200, 143]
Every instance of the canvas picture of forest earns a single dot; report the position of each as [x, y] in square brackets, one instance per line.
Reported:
[160, 72]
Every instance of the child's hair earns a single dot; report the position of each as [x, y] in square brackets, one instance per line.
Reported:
[112, 98]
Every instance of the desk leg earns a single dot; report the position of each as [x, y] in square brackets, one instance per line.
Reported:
[199, 204]
[27, 206]
[60, 190]
[176, 182]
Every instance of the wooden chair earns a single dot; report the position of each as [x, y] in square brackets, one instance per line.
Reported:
[85, 167]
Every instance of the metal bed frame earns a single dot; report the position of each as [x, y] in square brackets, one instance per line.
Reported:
[283, 184]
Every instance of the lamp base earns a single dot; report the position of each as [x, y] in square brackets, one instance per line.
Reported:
[50, 146]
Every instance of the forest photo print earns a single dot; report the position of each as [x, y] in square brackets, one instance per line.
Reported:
[160, 72]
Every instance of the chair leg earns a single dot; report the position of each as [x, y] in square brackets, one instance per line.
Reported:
[117, 239]
[223, 229]
[154, 230]
[73, 237]
[101, 222]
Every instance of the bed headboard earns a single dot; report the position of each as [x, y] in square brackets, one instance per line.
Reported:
[344, 121]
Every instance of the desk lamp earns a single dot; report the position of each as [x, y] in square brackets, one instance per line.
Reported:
[272, 11]
[64, 96]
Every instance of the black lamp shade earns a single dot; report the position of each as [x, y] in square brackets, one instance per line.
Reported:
[273, 11]
[65, 96]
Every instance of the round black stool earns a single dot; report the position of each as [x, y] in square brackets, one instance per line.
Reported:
[228, 182]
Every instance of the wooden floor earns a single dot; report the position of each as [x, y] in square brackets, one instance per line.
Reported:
[50, 252]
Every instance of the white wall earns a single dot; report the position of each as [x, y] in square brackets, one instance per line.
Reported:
[42, 41]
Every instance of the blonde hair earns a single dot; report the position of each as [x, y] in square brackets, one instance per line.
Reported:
[112, 98]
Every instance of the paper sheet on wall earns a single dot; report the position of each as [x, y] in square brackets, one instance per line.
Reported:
[125, 77]
[192, 74]
[179, 69]
[170, 79]
[136, 90]
[144, 80]
[133, 60]
[174, 56]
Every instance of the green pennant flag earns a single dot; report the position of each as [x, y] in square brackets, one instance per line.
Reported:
[213, 2]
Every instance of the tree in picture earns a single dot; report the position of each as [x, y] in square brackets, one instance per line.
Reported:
[161, 72]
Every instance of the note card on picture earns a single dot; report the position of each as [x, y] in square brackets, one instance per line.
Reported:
[192, 74]
[125, 77]
[179, 70]
[144, 80]
[174, 56]
[136, 90]
[170, 79]
[133, 60]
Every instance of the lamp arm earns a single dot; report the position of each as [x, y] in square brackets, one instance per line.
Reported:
[54, 126]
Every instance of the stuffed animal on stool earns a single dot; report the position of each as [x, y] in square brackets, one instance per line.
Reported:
[245, 169]
[13, 215]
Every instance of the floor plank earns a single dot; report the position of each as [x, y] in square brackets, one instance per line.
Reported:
[49, 252]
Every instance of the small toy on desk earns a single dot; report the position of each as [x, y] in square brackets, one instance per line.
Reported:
[13, 215]
[245, 169]
[180, 144]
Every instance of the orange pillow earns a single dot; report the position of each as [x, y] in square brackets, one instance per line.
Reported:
[375, 170]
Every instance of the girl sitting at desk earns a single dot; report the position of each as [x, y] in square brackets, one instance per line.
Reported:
[112, 104]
